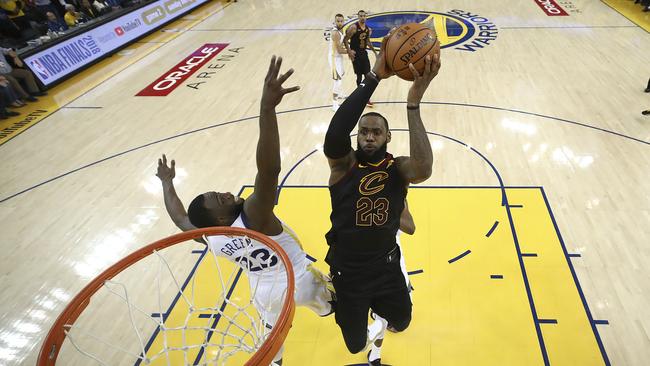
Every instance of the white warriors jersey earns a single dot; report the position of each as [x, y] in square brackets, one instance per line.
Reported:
[333, 50]
[256, 258]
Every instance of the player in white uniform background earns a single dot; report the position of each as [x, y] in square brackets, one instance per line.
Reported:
[335, 57]
[255, 213]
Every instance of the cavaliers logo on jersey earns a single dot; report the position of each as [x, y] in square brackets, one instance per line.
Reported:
[371, 183]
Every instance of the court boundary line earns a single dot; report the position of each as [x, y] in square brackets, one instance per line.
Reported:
[576, 281]
[278, 113]
[528, 287]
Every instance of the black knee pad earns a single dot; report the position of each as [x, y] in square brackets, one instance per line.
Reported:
[355, 344]
[401, 325]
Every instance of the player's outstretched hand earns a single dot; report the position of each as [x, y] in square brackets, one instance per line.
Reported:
[421, 82]
[166, 173]
[273, 90]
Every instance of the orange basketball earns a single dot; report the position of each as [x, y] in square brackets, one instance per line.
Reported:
[409, 44]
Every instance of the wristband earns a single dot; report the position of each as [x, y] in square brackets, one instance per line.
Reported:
[410, 108]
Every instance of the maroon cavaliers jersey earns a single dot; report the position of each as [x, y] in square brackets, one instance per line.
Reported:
[366, 208]
[360, 38]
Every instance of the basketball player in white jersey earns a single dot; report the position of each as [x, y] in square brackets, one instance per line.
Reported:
[255, 213]
[336, 52]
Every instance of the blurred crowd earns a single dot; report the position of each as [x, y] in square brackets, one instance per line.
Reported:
[31, 22]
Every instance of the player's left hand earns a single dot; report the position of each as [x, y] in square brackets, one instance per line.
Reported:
[166, 173]
[273, 90]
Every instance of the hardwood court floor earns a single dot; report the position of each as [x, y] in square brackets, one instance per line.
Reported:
[548, 103]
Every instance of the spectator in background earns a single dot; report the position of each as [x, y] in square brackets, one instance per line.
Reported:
[46, 6]
[8, 28]
[101, 7]
[9, 94]
[88, 10]
[35, 16]
[114, 4]
[5, 99]
[72, 16]
[4, 113]
[55, 24]
[14, 10]
[13, 74]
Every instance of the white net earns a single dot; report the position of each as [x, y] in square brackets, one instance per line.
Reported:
[183, 305]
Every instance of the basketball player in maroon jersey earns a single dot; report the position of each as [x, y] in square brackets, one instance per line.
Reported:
[368, 188]
[356, 41]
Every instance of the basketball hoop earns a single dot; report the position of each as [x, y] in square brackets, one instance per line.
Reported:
[244, 331]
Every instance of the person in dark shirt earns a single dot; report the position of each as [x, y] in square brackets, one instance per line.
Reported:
[54, 23]
[8, 99]
[88, 10]
[357, 41]
[368, 189]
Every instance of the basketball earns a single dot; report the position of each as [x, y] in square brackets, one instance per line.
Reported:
[409, 44]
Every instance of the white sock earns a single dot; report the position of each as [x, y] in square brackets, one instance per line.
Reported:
[375, 353]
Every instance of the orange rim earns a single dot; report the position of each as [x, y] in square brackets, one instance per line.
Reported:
[264, 355]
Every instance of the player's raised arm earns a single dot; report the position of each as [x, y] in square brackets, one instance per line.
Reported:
[259, 206]
[418, 166]
[173, 204]
[337, 147]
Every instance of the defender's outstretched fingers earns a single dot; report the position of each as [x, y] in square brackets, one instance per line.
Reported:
[271, 65]
[285, 76]
[290, 90]
[276, 69]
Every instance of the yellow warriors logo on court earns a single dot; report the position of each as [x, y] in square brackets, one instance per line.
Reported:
[457, 29]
